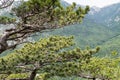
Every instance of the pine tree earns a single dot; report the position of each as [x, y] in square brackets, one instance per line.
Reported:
[38, 16]
[52, 57]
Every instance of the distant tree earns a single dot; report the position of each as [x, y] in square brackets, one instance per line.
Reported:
[38, 16]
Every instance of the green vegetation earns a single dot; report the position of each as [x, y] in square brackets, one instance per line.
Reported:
[58, 57]
[39, 16]
[6, 20]
[86, 35]
[112, 45]
[49, 57]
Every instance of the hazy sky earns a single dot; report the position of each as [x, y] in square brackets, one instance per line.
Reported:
[98, 3]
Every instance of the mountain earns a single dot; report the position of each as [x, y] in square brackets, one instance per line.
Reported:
[109, 16]
[94, 10]
[64, 3]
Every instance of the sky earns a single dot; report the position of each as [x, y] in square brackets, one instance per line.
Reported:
[97, 3]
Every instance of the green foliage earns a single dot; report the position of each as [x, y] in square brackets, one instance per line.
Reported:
[6, 20]
[18, 76]
[50, 53]
[8, 63]
[103, 68]
[51, 11]
[3, 76]
[55, 60]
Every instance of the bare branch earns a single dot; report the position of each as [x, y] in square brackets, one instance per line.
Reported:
[5, 3]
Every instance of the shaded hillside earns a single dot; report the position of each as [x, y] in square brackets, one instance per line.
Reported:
[109, 46]
[86, 34]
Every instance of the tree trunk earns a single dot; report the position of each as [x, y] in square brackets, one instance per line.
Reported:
[33, 74]
[94, 78]
[18, 79]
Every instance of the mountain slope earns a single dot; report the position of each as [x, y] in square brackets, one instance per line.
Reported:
[86, 34]
[109, 16]
[109, 46]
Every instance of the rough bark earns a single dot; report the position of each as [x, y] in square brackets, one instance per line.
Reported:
[94, 78]
[20, 35]
[33, 74]
[19, 79]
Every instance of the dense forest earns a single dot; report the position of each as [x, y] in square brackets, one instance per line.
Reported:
[55, 40]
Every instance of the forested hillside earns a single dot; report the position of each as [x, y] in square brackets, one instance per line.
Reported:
[110, 46]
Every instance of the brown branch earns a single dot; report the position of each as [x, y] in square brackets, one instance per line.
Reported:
[33, 74]
[20, 34]
[86, 76]
[27, 78]
[5, 4]
[17, 37]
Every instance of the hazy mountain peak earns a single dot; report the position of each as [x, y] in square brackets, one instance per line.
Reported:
[97, 9]
[94, 10]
